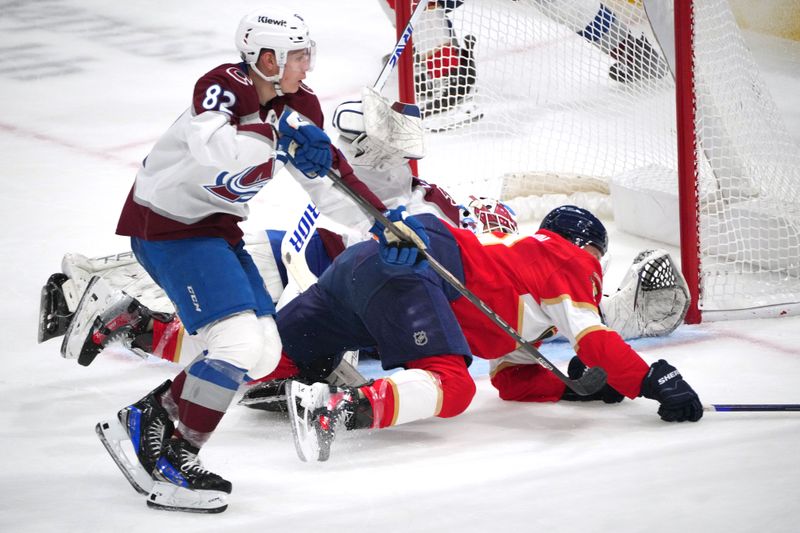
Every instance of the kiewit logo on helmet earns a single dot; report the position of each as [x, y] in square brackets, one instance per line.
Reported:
[267, 20]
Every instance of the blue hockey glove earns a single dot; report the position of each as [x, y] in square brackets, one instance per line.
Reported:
[305, 145]
[679, 402]
[397, 252]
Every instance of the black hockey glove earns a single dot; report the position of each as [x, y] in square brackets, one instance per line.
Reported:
[679, 402]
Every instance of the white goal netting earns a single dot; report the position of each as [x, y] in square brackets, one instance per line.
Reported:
[543, 102]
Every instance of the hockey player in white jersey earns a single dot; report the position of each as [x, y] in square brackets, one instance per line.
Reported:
[182, 214]
[378, 143]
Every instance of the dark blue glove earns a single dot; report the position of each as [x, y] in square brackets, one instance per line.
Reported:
[306, 146]
[679, 402]
[397, 252]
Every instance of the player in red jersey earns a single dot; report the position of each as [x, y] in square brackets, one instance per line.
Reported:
[246, 120]
[418, 323]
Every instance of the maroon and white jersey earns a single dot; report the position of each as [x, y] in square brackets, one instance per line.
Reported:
[220, 152]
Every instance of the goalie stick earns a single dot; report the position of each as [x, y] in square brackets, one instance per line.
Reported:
[294, 245]
[402, 42]
[293, 254]
[591, 382]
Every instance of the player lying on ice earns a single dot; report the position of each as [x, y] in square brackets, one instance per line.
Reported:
[149, 421]
[383, 295]
[513, 373]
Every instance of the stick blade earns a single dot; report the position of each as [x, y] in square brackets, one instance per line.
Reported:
[590, 382]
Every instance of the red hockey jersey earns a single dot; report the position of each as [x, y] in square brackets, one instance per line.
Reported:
[538, 283]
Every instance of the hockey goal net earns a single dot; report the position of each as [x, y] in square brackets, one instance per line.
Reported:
[544, 102]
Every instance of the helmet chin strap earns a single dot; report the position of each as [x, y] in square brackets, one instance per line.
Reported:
[274, 80]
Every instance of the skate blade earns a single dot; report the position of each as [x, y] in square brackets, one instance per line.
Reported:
[54, 314]
[306, 442]
[264, 398]
[273, 404]
[170, 497]
[112, 434]
[94, 299]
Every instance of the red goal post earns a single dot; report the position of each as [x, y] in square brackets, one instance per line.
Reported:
[521, 103]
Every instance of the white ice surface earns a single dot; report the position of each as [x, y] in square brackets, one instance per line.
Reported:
[85, 88]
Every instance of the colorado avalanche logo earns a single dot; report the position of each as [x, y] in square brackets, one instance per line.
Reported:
[242, 186]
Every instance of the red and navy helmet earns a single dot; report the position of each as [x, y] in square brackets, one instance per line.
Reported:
[578, 226]
[484, 215]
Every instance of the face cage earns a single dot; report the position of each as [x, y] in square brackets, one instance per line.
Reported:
[497, 222]
[493, 215]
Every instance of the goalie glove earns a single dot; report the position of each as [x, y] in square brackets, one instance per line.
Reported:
[401, 252]
[652, 299]
[304, 145]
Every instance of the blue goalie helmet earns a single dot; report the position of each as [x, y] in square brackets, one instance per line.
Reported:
[578, 226]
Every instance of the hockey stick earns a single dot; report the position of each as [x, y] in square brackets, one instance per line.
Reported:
[592, 380]
[293, 253]
[399, 47]
[294, 245]
[751, 407]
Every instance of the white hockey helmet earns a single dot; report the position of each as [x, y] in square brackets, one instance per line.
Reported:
[277, 30]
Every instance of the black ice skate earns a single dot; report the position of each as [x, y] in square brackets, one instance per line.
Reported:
[146, 425]
[54, 313]
[315, 412]
[103, 316]
[271, 395]
[184, 485]
[266, 396]
[636, 59]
